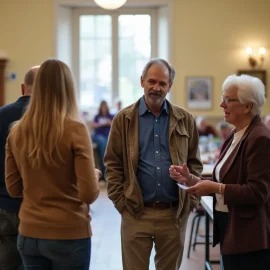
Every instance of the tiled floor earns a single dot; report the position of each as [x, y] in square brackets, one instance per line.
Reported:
[106, 247]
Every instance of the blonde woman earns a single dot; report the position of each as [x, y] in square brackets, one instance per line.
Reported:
[49, 162]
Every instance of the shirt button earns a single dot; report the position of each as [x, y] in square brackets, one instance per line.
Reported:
[157, 152]
[156, 135]
[158, 184]
[156, 120]
[158, 168]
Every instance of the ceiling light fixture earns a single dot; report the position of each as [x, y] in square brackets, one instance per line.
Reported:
[110, 4]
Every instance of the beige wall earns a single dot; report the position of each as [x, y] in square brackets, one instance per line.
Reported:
[210, 37]
[27, 35]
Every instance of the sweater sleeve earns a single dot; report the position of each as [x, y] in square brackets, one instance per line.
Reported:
[87, 182]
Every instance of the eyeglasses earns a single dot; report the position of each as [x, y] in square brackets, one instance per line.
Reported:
[228, 100]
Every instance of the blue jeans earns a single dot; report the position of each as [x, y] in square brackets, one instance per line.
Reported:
[43, 254]
[101, 142]
[10, 258]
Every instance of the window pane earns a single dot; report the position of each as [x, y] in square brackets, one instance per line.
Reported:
[95, 59]
[95, 26]
[134, 52]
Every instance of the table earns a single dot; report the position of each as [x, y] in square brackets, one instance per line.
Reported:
[208, 157]
[207, 203]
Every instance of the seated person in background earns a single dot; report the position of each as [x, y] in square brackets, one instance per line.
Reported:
[118, 106]
[102, 125]
[267, 121]
[224, 130]
[204, 128]
[86, 119]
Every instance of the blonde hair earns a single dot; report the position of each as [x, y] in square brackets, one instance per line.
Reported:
[42, 126]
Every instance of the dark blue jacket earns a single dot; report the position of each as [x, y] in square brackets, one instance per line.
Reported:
[8, 114]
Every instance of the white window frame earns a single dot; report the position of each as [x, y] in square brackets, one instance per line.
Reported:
[77, 12]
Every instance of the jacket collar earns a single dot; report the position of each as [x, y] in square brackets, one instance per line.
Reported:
[23, 98]
[143, 107]
[129, 113]
[228, 163]
[131, 116]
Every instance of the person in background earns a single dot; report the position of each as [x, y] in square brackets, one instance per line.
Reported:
[10, 258]
[267, 121]
[85, 117]
[224, 129]
[145, 139]
[241, 179]
[102, 125]
[118, 106]
[204, 128]
[50, 164]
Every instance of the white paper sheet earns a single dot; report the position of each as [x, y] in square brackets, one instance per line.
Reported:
[182, 186]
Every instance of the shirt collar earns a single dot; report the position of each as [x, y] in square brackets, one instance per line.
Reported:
[143, 107]
[23, 98]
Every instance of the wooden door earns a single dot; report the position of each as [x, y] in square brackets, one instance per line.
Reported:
[2, 81]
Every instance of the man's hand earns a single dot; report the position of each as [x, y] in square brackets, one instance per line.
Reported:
[180, 173]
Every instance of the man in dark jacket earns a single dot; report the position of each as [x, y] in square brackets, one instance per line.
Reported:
[9, 207]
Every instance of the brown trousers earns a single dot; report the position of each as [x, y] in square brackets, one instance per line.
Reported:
[153, 227]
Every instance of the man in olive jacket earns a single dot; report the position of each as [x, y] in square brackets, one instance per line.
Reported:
[146, 138]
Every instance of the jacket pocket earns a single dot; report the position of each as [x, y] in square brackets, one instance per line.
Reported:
[133, 197]
[181, 131]
[181, 141]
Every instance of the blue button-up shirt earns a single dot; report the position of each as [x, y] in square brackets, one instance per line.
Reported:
[154, 156]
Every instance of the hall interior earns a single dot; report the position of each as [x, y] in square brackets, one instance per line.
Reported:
[205, 40]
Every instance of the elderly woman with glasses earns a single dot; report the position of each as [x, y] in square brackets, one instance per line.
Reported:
[240, 183]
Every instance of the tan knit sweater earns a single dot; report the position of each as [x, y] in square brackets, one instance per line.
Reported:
[55, 199]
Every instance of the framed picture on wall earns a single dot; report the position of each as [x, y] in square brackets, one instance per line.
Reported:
[199, 92]
[260, 74]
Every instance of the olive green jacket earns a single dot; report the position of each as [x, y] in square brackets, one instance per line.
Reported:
[122, 153]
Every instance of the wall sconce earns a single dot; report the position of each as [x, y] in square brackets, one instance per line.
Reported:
[110, 4]
[253, 62]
